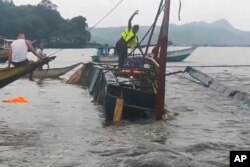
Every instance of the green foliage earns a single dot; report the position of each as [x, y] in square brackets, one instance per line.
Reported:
[48, 4]
[43, 22]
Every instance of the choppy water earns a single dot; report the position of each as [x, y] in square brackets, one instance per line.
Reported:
[60, 127]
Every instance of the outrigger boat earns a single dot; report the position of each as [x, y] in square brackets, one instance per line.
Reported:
[8, 75]
[53, 72]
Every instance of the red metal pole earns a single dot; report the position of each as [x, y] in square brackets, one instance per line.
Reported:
[160, 97]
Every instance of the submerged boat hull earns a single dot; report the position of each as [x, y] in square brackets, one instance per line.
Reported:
[104, 86]
[137, 104]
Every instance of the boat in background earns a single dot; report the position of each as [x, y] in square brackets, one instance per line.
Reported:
[53, 72]
[4, 55]
[174, 55]
[4, 49]
[9, 75]
[179, 55]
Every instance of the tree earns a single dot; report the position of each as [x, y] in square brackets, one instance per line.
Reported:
[43, 23]
[48, 4]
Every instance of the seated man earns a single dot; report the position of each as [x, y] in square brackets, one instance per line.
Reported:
[19, 51]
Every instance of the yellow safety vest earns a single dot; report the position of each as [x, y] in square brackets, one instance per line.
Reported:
[130, 38]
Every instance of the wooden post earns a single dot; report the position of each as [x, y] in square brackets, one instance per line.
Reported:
[160, 97]
[118, 110]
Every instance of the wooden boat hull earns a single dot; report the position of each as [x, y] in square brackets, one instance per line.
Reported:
[53, 72]
[137, 104]
[106, 89]
[173, 56]
[9, 75]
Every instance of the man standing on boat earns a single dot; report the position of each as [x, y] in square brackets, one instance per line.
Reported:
[128, 39]
[19, 51]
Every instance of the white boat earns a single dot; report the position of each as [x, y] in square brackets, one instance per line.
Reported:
[173, 56]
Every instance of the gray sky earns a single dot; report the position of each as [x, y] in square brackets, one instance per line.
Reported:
[235, 11]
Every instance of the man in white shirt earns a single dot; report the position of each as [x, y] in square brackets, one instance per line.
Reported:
[19, 50]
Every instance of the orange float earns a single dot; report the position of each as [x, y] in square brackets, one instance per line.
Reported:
[18, 99]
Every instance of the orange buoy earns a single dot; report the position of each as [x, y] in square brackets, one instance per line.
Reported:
[18, 99]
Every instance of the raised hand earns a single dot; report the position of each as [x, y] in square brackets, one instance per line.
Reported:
[136, 12]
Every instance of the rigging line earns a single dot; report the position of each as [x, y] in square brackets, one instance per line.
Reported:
[160, 9]
[59, 50]
[191, 80]
[152, 27]
[104, 17]
[179, 11]
[141, 40]
[45, 74]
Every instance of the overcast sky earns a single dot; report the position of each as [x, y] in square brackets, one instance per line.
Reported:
[237, 12]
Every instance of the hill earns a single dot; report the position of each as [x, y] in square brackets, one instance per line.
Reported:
[220, 32]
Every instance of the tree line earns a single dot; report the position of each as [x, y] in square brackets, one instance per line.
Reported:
[43, 23]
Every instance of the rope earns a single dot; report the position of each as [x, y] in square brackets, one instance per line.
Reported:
[44, 76]
[161, 7]
[104, 17]
[173, 73]
[141, 40]
[59, 50]
[176, 73]
[41, 79]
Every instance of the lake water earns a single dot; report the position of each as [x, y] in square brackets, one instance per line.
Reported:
[60, 127]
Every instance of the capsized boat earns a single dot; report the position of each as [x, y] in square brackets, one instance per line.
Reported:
[137, 88]
[53, 72]
[177, 55]
[9, 75]
[128, 92]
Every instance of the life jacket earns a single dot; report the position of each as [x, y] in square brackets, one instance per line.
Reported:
[130, 38]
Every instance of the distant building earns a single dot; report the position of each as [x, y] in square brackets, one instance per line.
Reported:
[7, 1]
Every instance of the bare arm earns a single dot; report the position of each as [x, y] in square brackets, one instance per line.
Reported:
[131, 18]
[10, 57]
[31, 48]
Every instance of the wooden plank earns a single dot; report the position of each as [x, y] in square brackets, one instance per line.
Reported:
[118, 110]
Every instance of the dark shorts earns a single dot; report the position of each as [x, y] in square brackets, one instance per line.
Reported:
[17, 64]
[21, 63]
[122, 51]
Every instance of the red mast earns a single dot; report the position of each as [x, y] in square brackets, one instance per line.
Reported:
[162, 59]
